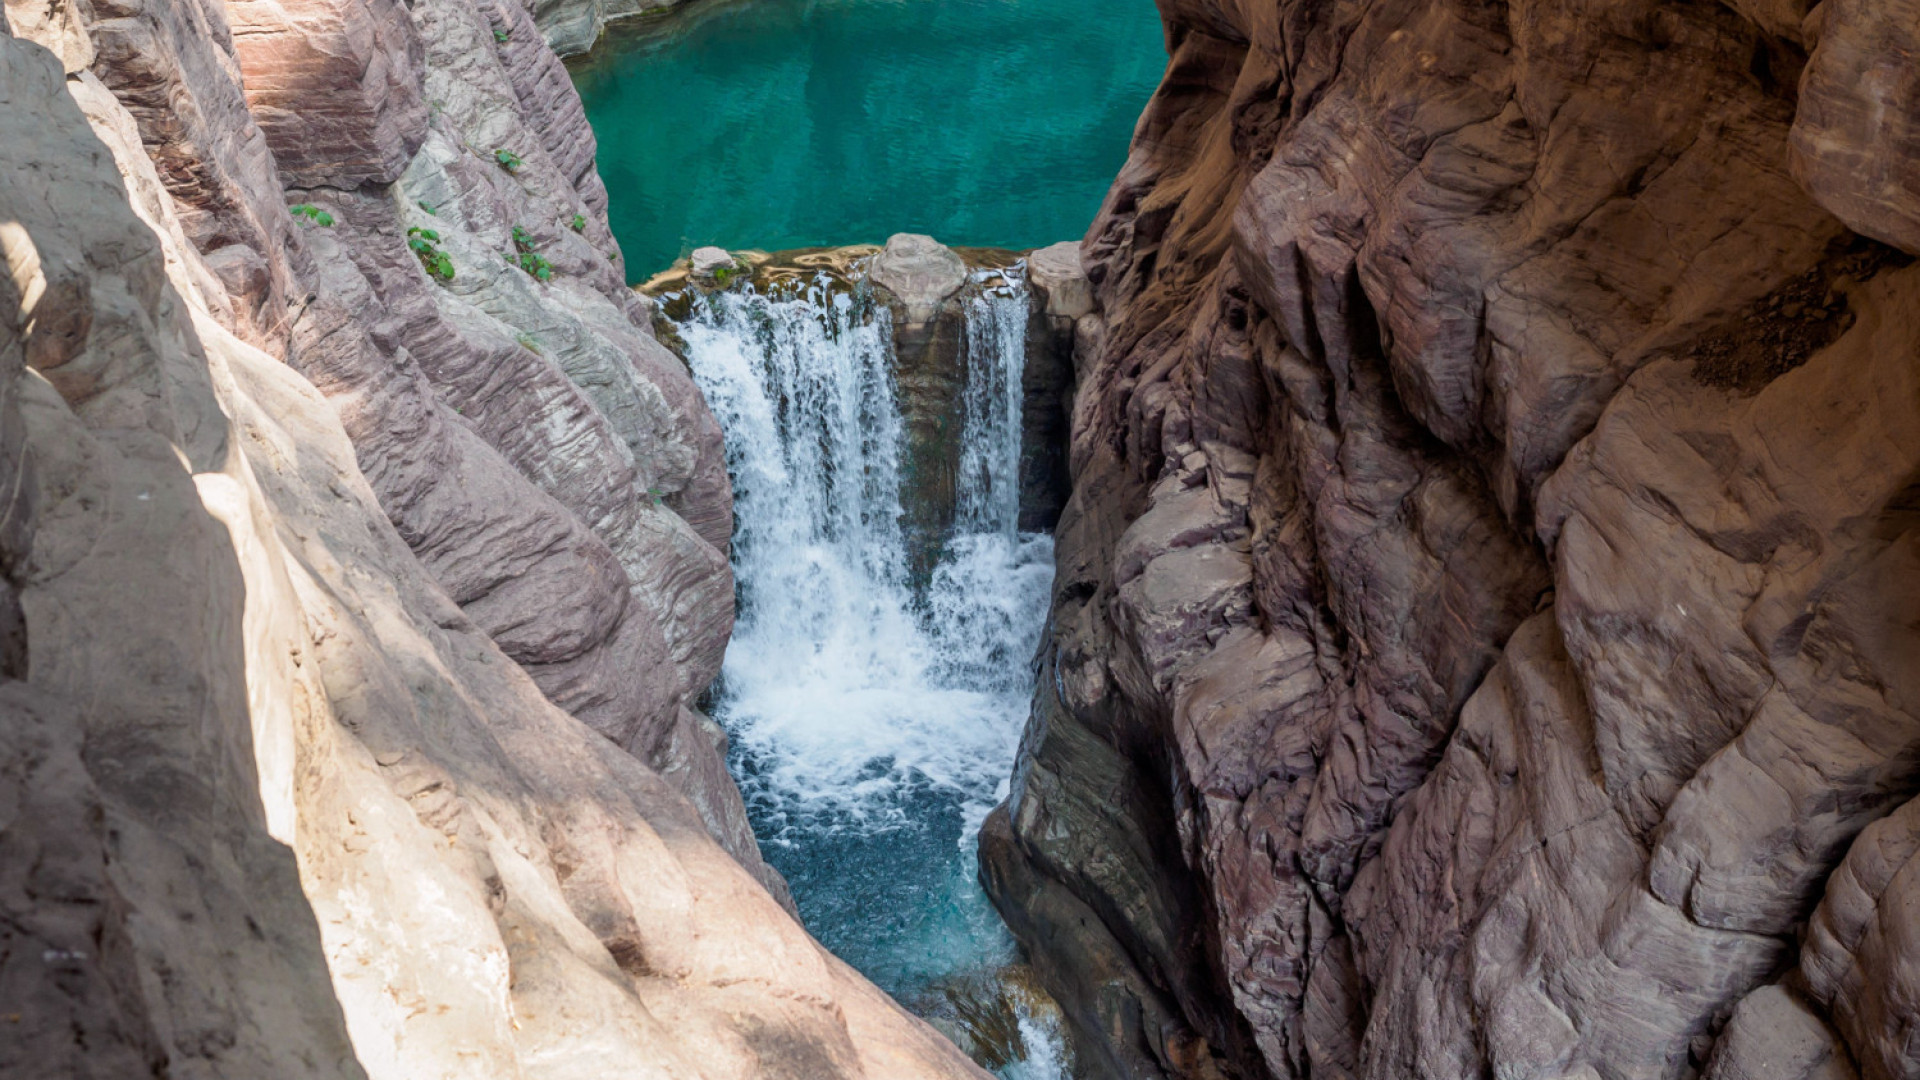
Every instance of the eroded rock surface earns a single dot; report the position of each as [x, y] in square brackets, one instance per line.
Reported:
[308, 551]
[1482, 641]
[573, 26]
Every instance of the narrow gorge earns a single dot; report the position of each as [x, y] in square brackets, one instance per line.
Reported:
[520, 558]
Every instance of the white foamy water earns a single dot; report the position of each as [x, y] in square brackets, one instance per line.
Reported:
[1046, 1049]
[875, 724]
[842, 682]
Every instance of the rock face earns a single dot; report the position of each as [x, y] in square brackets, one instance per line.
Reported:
[572, 26]
[358, 579]
[1483, 639]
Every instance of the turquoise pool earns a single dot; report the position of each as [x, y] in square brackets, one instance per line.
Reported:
[792, 123]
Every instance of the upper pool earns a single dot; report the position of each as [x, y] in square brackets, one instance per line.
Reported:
[791, 123]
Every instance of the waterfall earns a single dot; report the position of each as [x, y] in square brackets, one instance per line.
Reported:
[874, 724]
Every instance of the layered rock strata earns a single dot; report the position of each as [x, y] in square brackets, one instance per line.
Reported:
[1483, 642]
[356, 602]
[573, 26]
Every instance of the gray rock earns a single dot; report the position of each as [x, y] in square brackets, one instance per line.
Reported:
[708, 261]
[919, 271]
[1772, 1035]
[1056, 271]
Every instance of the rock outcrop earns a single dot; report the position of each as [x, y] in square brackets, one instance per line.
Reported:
[1483, 641]
[361, 563]
[573, 26]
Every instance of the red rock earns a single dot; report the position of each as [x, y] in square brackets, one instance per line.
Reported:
[1469, 548]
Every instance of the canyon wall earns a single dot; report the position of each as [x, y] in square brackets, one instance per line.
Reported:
[361, 566]
[1484, 639]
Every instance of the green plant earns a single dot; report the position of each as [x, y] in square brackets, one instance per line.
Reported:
[312, 213]
[522, 240]
[422, 204]
[502, 36]
[578, 224]
[508, 160]
[536, 265]
[654, 493]
[724, 274]
[425, 245]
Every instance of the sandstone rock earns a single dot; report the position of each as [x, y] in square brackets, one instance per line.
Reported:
[1057, 273]
[1856, 132]
[708, 261]
[335, 86]
[60, 25]
[1473, 460]
[271, 803]
[921, 272]
[573, 26]
[1772, 1036]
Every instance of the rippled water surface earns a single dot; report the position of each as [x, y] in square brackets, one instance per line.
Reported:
[790, 123]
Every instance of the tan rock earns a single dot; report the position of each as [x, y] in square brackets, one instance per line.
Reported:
[921, 272]
[707, 261]
[1856, 131]
[1056, 272]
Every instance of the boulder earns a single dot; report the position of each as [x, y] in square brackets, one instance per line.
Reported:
[921, 272]
[708, 261]
[1057, 272]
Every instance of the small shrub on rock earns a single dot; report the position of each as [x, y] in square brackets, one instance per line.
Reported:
[310, 212]
[425, 244]
[508, 160]
[536, 265]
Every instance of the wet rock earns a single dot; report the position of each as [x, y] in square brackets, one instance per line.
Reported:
[930, 369]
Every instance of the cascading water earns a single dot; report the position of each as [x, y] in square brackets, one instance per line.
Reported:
[874, 723]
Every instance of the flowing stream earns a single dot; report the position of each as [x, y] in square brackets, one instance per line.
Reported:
[875, 720]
